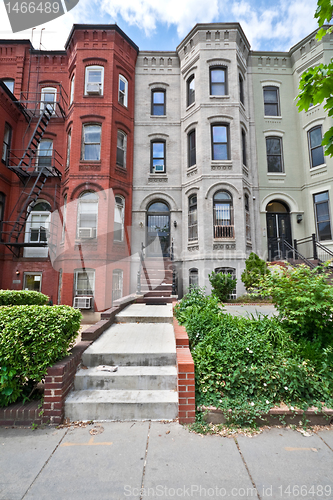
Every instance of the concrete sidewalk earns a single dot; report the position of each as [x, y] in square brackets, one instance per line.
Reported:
[115, 460]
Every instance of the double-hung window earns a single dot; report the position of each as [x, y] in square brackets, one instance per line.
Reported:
[315, 148]
[220, 146]
[71, 97]
[157, 152]
[123, 91]
[158, 102]
[117, 284]
[190, 90]
[94, 80]
[7, 138]
[87, 215]
[48, 99]
[271, 101]
[218, 81]
[45, 153]
[191, 148]
[322, 216]
[192, 218]
[69, 142]
[274, 154]
[119, 216]
[91, 147]
[121, 148]
[84, 282]
[36, 229]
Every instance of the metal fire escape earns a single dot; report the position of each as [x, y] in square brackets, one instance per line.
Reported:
[32, 167]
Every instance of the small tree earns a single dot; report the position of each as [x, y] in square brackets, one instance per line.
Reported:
[255, 268]
[304, 300]
[222, 285]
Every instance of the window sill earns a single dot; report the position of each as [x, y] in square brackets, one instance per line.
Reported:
[158, 116]
[93, 96]
[277, 117]
[219, 97]
[190, 106]
[277, 174]
[319, 169]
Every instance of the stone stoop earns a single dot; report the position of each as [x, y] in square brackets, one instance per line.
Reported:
[157, 289]
[144, 386]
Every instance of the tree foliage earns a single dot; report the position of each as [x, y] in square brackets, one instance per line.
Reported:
[255, 268]
[316, 84]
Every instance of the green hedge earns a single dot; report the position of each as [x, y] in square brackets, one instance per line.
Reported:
[22, 298]
[32, 338]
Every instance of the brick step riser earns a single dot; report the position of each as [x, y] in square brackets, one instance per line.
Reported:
[155, 300]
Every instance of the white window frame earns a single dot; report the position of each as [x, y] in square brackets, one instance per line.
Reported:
[119, 217]
[123, 94]
[8, 82]
[123, 148]
[39, 163]
[7, 139]
[34, 252]
[117, 278]
[39, 274]
[98, 86]
[92, 274]
[85, 126]
[87, 232]
[71, 98]
[43, 103]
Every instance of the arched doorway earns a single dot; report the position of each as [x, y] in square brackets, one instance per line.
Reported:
[158, 229]
[278, 229]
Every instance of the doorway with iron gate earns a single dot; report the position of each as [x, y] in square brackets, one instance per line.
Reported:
[278, 230]
[158, 230]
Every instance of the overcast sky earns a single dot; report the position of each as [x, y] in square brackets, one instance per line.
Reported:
[161, 24]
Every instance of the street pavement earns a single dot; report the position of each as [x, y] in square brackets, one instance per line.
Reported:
[139, 460]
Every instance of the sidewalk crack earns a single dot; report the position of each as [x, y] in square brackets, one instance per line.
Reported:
[45, 464]
[247, 469]
[145, 462]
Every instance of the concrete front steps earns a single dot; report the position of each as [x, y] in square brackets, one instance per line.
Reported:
[156, 282]
[144, 387]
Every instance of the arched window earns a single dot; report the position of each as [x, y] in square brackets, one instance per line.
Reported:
[48, 99]
[193, 279]
[94, 80]
[190, 87]
[247, 217]
[87, 214]
[223, 215]
[117, 284]
[123, 90]
[192, 218]
[36, 229]
[91, 142]
[244, 147]
[121, 148]
[119, 217]
[191, 148]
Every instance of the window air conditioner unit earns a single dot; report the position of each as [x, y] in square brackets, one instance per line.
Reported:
[82, 302]
[86, 232]
[159, 168]
[93, 88]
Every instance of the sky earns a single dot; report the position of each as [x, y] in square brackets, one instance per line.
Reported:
[162, 24]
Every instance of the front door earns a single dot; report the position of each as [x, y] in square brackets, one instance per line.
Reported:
[158, 230]
[278, 229]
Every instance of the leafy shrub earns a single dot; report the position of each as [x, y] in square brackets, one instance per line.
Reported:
[22, 298]
[198, 312]
[222, 285]
[304, 300]
[255, 268]
[32, 338]
[248, 365]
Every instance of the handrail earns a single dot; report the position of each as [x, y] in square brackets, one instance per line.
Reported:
[299, 255]
[142, 266]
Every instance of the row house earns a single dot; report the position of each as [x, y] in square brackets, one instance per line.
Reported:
[198, 156]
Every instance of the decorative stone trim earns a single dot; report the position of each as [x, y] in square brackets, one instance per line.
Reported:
[90, 167]
[221, 167]
[224, 246]
[193, 248]
[157, 179]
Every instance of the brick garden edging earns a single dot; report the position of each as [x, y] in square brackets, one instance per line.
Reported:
[185, 371]
[59, 380]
